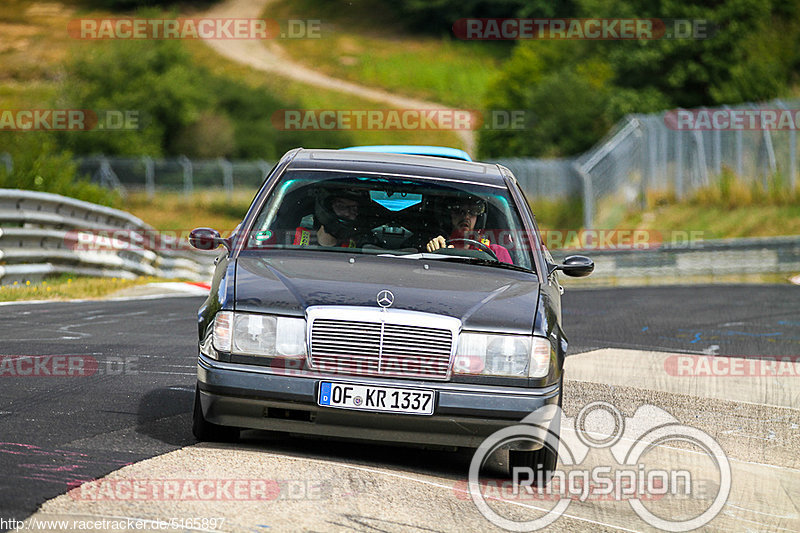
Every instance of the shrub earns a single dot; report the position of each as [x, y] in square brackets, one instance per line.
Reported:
[39, 165]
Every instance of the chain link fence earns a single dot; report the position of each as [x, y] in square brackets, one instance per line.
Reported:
[550, 178]
[641, 155]
[174, 174]
[680, 151]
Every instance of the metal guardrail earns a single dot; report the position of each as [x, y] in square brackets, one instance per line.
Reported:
[43, 234]
[712, 258]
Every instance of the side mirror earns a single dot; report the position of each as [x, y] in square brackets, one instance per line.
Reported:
[576, 266]
[207, 239]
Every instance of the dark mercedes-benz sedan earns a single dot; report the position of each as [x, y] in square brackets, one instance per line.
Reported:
[385, 297]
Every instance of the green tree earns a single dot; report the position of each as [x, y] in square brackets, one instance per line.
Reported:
[40, 165]
[156, 79]
[743, 50]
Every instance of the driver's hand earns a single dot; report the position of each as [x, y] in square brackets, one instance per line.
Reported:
[436, 243]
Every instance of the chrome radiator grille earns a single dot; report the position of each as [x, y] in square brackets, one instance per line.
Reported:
[379, 347]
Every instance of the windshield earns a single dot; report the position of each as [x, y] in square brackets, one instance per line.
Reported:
[401, 216]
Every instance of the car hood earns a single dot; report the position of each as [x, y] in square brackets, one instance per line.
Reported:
[484, 298]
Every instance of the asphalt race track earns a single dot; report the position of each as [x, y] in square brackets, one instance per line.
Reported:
[56, 430]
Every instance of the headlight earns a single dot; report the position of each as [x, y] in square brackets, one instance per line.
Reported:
[502, 355]
[265, 335]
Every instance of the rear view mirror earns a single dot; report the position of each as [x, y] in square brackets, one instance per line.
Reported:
[577, 266]
[207, 239]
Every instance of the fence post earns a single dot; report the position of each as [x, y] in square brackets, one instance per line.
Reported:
[739, 155]
[186, 164]
[769, 149]
[108, 178]
[265, 168]
[227, 176]
[9, 162]
[663, 149]
[702, 162]
[679, 164]
[773, 164]
[649, 178]
[718, 149]
[588, 196]
[792, 153]
[149, 177]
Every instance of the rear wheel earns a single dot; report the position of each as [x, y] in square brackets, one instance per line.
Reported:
[206, 431]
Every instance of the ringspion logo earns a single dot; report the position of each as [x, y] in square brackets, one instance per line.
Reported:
[632, 472]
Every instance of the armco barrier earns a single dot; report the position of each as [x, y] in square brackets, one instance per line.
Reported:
[772, 255]
[39, 233]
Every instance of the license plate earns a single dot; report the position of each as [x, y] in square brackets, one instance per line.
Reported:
[369, 398]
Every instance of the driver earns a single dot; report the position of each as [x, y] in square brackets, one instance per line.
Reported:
[336, 213]
[464, 214]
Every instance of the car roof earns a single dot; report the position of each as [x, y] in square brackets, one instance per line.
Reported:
[402, 164]
[413, 149]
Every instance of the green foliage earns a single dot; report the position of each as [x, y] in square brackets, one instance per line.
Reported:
[182, 107]
[744, 50]
[566, 214]
[39, 165]
[154, 78]
[730, 191]
[438, 16]
[250, 109]
[117, 5]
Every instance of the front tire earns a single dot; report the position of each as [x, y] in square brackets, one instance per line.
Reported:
[205, 431]
[543, 460]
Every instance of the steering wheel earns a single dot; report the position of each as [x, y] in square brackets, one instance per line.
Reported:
[482, 247]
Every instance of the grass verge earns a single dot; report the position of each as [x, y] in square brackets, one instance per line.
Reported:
[729, 208]
[175, 211]
[363, 42]
[69, 287]
[309, 97]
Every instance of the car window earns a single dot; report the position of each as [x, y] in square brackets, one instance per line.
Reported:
[338, 211]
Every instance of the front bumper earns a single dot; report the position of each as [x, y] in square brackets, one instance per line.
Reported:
[255, 397]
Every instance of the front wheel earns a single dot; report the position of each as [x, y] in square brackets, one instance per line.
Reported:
[542, 461]
[205, 431]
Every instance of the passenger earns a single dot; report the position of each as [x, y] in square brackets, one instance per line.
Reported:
[336, 213]
[464, 214]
